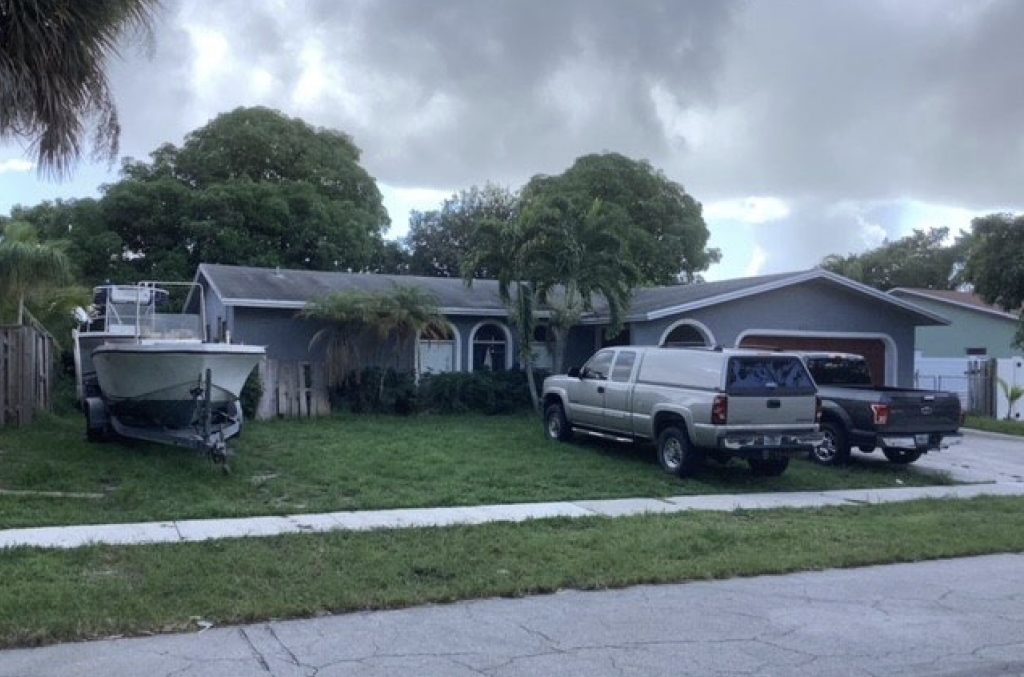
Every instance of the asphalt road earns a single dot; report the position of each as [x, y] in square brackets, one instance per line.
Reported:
[953, 617]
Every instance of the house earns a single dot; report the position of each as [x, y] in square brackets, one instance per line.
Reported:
[811, 309]
[975, 328]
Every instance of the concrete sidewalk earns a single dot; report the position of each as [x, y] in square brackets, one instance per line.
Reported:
[187, 531]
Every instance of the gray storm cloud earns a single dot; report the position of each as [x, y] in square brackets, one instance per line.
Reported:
[818, 104]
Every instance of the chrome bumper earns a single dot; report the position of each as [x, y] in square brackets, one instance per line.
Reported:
[920, 441]
[771, 441]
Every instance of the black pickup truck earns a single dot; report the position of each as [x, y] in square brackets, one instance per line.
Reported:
[904, 422]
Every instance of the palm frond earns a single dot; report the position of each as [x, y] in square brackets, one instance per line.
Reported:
[53, 56]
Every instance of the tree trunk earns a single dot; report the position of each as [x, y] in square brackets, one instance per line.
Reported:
[531, 383]
[561, 343]
[21, 308]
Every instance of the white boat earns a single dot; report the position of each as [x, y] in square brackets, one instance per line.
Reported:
[155, 383]
[148, 373]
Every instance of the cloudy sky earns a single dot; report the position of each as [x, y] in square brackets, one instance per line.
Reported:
[805, 128]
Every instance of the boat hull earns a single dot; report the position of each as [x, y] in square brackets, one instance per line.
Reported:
[157, 384]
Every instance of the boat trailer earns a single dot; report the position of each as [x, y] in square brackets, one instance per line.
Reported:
[208, 432]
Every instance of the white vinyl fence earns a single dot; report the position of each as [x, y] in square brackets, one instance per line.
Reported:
[975, 380]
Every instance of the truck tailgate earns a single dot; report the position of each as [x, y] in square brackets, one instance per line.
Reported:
[911, 412]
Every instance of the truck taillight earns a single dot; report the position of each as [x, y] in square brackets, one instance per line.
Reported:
[720, 410]
[881, 412]
[817, 409]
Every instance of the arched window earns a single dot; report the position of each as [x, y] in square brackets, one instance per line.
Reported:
[490, 348]
[687, 333]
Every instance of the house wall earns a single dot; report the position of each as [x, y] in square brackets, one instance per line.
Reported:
[815, 306]
[968, 329]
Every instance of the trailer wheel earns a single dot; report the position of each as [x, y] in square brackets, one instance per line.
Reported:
[97, 422]
[902, 456]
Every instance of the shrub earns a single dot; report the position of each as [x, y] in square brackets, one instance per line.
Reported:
[373, 390]
[251, 394]
[486, 392]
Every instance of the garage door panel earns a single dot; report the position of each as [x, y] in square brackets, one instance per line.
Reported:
[873, 350]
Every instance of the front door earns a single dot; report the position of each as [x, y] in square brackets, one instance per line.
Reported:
[586, 394]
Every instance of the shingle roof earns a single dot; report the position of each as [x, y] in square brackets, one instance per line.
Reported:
[958, 298]
[650, 299]
[248, 286]
[285, 288]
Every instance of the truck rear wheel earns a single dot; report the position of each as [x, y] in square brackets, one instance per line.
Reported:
[556, 426]
[676, 453]
[768, 467]
[902, 456]
[835, 449]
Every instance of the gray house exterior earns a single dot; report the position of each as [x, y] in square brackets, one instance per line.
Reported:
[812, 309]
[975, 327]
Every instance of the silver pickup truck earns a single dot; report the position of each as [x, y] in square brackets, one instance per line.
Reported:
[693, 403]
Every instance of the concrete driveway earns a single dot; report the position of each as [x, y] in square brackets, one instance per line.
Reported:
[952, 617]
[981, 457]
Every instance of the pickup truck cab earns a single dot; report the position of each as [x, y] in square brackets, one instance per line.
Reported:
[904, 422]
[692, 403]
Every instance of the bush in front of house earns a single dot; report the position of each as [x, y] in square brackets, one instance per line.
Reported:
[484, 392]
[373, 390]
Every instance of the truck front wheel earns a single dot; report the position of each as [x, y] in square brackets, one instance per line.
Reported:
[556, 426]
[902, 456]
[835, 449]
[677, 454]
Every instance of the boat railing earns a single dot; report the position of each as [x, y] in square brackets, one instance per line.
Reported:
[137, 310]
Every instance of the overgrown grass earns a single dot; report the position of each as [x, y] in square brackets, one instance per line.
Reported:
[361, 462]
[995, 425]
[49, 596]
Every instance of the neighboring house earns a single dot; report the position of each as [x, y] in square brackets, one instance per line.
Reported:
[812, 309]
[975, 328]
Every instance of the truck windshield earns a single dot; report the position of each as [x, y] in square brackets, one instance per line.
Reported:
[768, 376]
[839, 371]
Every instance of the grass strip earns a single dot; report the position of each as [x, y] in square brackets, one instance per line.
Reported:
[995, 425]
[350, 462]
[48, 596]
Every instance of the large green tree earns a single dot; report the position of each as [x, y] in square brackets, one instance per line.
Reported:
[53, 84]
[252, 187]
[922, 259]
[995, 264]
[666, 237]
[439, 240]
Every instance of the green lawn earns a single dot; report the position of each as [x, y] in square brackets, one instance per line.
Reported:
[350, 463]
[49, 595]
[995, 425]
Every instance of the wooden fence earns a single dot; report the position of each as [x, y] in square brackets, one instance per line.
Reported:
[292, 390]
[26, 374]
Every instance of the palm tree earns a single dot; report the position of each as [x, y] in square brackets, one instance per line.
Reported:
[346, 317]
[504, 249]
[356, 319]
[1012, 393]
[27, 266]
[52, 79]
[581, 258]
[404, 314]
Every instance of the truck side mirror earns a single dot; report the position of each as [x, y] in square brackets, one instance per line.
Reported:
[574, 372]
